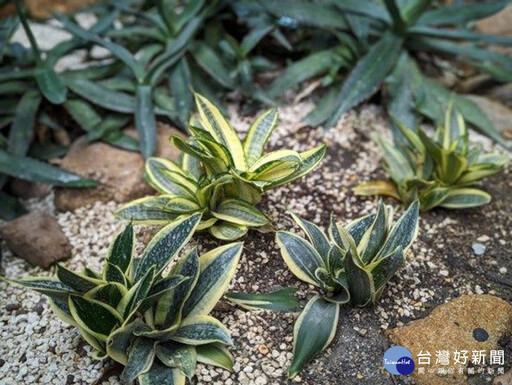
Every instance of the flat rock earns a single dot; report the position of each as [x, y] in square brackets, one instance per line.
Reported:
[498, 24]
[37, 238]
[120, 172]
[471, 322]
[43, 9]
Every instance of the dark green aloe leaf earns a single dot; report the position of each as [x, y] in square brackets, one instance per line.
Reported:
[115, 49]
[121, 140]
[371, 9]
[100, 95]
[47, 151]
[462, 13]
[253, 38]
[50, 84]
[314, 331]
[22, 127]
[368, 75]
[140, 358]
[315, 64]
[162, 375]
[51, 287]
[136, 295]
[145, 121]
[10, 208]
[360, 282]
[393, 9]
[325, 107]
[178, 356]
[83, 113]
[36, 171]
[211, 63]
[404, 231]
[460, 34]
[13, 87]
[78, 282]
[280, 300]
[306, 13]
[95, 317]
[180, 85]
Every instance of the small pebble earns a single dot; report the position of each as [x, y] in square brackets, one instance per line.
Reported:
[478, 248]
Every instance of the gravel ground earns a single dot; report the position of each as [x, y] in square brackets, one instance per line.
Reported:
[36, 348]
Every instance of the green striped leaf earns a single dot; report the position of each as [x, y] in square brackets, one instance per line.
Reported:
[60, 308]
[280, 300]
[216, 355]
[179, 356]
[160, 289]
[162, 375]
[97, 318]
[386, 267]
[360, 281]
[218, 267]
[461, 13]
[78, 282]
[136, 295]
[169, 308]
[109, 293]
[404, 231]
[158, 174]
[396, 162]
[166, 244]
[119, 341]
[227, 231]
[375, 236]
[201, 330]
[462, 198]
[51, 287]
[300, 256]
[140, 359]
[313, 332]
[240, 212]
[258, 135]
[214, 122]
[149, 210]
[120, 251]
[315, 235]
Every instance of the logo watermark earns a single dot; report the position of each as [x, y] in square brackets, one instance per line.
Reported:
[398, 360]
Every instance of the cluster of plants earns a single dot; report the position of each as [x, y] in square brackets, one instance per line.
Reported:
[219, 176]
[160, 53]
[439, 171]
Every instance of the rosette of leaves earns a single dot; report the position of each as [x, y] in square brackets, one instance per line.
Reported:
[219, 176]
[441, 171]
[145, 314]
[352, 264]
[364, 41]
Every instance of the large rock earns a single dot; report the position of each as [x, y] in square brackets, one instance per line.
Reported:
[25, 189]
[43, 9]
[37, 238]
[498, 24]
[120, 172]
[473, 322]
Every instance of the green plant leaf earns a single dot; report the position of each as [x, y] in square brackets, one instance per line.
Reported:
[179, 356]
[50, 84]
[119, 340]
[461, 13]
[218, 267]
[145, 121]
[140, 358]
[149, 210]
[120, 251]
[360, 281]
[313, 332]
[404, 231]
[162, 375]
[315, 235]
[258, 135]
[240, 212]
[179, 83]
[367, 75]
[78, 282]
[10, 208]
[228, 231]
[216, 355]
[462, 198]
[300, 256]
[201, 330]
[97, 318]
[136, 295]
[51, 287]
[166, 244]
[22, 127]
[281, 300]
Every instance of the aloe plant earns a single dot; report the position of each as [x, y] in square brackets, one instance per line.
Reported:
[441, 172]
[150, 319]
[364, 42]
[352, 264]
[219, 176]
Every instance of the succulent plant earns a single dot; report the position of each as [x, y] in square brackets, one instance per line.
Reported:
[219, 176]
[149, 313]
[352, 264]
[440, 171]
